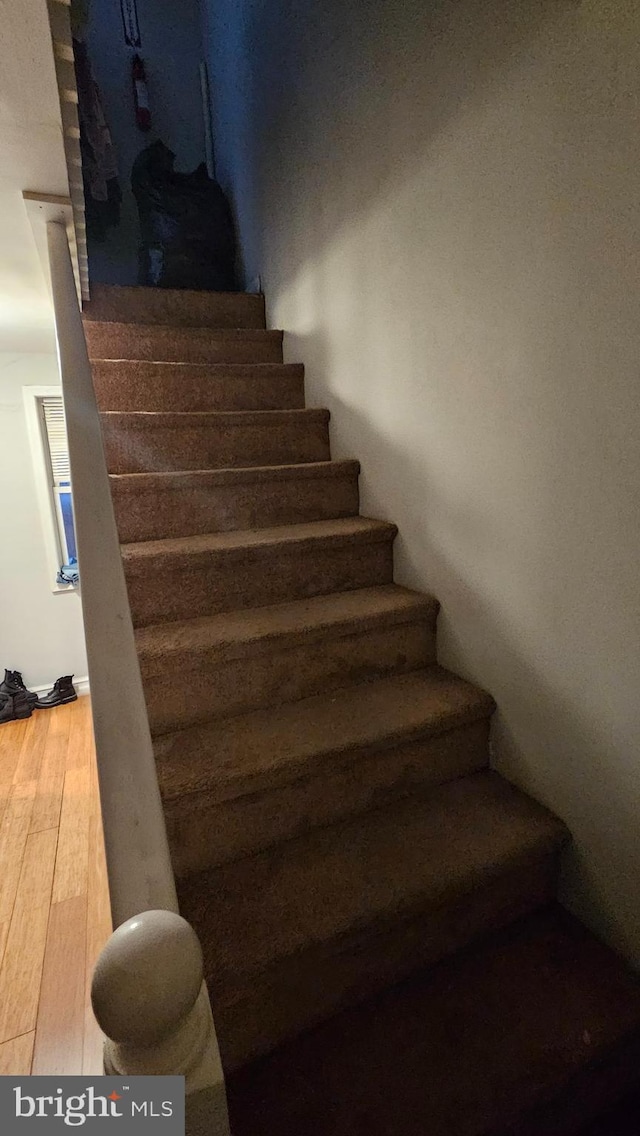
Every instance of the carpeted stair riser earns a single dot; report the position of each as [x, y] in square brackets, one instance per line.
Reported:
[130, 385]
[154, 506]
[181, 344]
[306, 990]
[186, 681]
[205, 832]
[530, 1032]
[139, 443]
[187, 585]
[244, 782]
[201, 688]
[178, 307]
[376, 897]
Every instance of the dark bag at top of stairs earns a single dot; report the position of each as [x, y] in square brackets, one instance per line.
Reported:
[185, 224]
[62, 691]
[13, 684]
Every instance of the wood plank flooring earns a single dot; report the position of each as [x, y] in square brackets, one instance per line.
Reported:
[54, 904]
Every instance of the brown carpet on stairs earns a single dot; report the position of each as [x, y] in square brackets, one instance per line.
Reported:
[376, 907]
[622, 1120]
[523, 1033]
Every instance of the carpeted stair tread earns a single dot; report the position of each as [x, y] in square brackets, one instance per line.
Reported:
[131, 384]
[185, 419]
[230, 634]
[190, 577]
[99, 333]
[165, 342]
[209, 667]
[180, 307]
[151, 506]
[139, 441]
[259, 751]
[526, 1033]
[241, 543]
[164, 480]
[362, 873]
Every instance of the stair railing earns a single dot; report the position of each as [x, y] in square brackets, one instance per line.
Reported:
[148, 993]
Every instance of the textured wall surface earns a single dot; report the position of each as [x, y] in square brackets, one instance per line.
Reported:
[442, 201]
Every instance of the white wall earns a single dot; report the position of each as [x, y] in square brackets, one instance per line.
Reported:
[171, 50]
[442, 201]
[41, 633]
[31, 157]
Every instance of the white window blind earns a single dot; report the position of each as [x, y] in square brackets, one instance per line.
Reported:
[56, 434]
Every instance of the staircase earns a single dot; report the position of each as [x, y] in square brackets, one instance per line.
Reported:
[342, 848]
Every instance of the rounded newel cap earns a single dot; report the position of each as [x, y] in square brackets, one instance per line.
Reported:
[147, 978]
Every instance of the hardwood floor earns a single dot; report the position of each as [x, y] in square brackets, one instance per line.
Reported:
[54, 905]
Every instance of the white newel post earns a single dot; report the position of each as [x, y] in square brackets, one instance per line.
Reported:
[150, 999]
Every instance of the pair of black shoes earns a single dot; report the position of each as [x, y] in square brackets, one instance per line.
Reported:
[17, 702]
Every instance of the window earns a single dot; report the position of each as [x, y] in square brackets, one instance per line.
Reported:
[55, 434]
[49, 451]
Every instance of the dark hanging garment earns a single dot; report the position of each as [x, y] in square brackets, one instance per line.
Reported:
[185, 225]
[102, 191]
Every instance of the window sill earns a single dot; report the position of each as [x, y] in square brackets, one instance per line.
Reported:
[59, 589]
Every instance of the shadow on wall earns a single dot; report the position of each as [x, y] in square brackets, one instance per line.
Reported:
[381, 84]
[566, 738]
[442, 202]
[553, 733]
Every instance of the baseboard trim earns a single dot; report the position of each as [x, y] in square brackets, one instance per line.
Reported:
[81, 684]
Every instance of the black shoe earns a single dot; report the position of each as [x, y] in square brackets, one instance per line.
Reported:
[12, 684]
[22, 708]
[14, 706]
[6, 707]
[63, 691]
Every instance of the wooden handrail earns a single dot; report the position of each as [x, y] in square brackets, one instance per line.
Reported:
[138, 862]
[148, 991]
